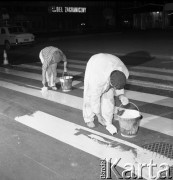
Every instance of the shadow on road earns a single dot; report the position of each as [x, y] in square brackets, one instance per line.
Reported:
[136, 58]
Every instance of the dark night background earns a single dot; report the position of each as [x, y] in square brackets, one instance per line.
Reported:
[50, 18]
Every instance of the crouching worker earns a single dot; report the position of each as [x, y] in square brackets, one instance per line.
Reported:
[50, 57]
[105, 77]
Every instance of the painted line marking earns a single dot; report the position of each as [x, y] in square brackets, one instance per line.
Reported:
[81, 137]
[151, 98]
[33, 76]
[77, 102]
[39, 68]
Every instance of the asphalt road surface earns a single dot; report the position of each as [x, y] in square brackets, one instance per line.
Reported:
[44, 137]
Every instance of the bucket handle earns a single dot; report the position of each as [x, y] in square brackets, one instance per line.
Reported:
[64, 73]
[130, 103]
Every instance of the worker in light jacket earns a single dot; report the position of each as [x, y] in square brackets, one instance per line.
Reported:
[50, 57]
[105, 77]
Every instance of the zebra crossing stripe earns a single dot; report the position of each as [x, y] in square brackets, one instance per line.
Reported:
[150, 75]
[164, 125]
[30, 66]
[33, 76]
[101, 144]
[140, 74]
[130, 81]
[153, 69]
[150, 84]
[139, 96]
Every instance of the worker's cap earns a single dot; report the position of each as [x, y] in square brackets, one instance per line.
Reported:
[118, 79]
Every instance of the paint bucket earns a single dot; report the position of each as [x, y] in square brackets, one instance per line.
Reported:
[66, 82]
[129, 118]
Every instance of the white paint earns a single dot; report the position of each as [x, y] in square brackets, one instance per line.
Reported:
[67, 133]
[54, 96]
[31, 75]
[152, 69]
[130, 81]
[77, 102]
[151, 75]
[150, 98]
[150, 84]
[140, 74]
[34, 76]
[158, 123]
[30, 66]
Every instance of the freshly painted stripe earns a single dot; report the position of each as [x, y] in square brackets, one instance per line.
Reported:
[153, 69]
[151, 75]
[133, 67]
[130, 81]
[134, 95]
[29, 66]
[130, 67]
[77, 102]
[150, 84]
[101, 144]
[151, 98]
[148, 98]
[33, 76]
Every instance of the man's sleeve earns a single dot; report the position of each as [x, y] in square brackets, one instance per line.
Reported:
[119, 92]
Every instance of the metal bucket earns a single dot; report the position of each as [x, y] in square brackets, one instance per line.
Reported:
[66, 83]
[129, 126]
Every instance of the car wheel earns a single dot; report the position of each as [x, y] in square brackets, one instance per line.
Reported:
[7, 45]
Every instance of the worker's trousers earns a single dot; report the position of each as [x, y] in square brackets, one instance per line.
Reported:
[51, 72]
[107, 107]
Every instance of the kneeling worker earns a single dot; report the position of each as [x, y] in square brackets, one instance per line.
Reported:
[105, 77]
[50, 57]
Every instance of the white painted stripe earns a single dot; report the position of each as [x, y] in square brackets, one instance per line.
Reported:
[33, 76]
[145, 97]
[147, 84]
[77, 102]
[139, 74]
[163, 70]
[99, 143]
[150, 98]
[53, 96]
[61, 65]
[29, 66]
[151, 75]
[152, 69]
[150, 84]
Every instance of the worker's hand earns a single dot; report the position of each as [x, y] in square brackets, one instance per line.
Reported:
[65, 70]
[101, 120]
[124, 100]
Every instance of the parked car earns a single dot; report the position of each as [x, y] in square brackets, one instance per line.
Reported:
[14, 36]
